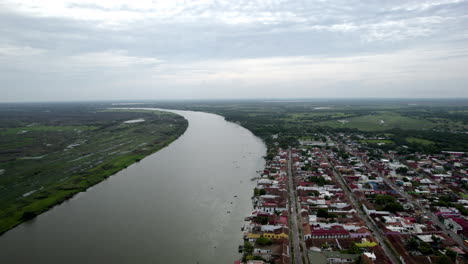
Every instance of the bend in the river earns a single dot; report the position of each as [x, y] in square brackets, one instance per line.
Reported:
[183, 204]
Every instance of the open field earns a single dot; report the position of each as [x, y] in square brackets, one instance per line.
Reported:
[379, 122]
[377, 141]
[419, 141]
[442, 121]
[48, 157]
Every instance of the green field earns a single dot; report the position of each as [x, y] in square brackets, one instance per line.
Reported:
[377, 141]
[48, 158]
[419, 141]
[34, 128]
[379, 122]
[442, 121]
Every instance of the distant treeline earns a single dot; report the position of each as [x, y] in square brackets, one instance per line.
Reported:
[286, 122]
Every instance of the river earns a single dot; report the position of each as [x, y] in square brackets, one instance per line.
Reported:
[183, 204]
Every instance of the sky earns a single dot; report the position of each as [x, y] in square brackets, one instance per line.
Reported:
[67, 50]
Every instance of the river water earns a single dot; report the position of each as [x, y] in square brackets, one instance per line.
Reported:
[183, 204]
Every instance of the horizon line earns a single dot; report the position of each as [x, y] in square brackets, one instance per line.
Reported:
[285, 99]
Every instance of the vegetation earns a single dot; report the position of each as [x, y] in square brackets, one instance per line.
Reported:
[325, 214]
[388, 203]
[354, 249]
[263, 241]
[406, 126]
[320, 181]
[258, 192]
[48, 153]
[379, 121]
[263, 220]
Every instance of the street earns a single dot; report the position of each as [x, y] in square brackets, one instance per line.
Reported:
[296, 239]
[375, 230]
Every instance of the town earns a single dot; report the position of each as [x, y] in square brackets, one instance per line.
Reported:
[337, 199]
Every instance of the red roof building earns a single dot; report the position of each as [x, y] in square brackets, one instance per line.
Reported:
[334, 232]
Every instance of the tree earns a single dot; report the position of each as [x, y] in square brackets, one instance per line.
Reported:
[343, 155]
[270, 156]
[354, 249]
[263, 220]
[393, 207]
[332, 215]
[314, 193]
[248, 248]
[256, 191]
[322, 213]
[436, 239]
[412, 244]
[319, 180]
[263, 241]
[402, 170]
[425, 248]
[28, 215]
[451, 254]
[384, 199]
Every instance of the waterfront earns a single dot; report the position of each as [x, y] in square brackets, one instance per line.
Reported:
[183, 204]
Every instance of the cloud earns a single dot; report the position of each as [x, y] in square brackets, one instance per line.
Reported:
[17, 51]
[425, 5]
[112, 58]
[215, 48]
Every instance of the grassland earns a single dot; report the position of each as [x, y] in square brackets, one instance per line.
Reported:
[444, 122]
[379, 122]
[377, 141]
[49, 154]
[419, 141]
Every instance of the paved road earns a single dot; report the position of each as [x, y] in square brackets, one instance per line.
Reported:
[296, 239]
[370, 224]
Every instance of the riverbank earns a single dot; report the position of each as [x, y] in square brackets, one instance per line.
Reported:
[81, 156]
[266, 235]
[183, 204]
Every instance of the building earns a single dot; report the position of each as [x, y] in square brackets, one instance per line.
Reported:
[457, 225]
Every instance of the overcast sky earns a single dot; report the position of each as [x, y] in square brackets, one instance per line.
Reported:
[62, 50]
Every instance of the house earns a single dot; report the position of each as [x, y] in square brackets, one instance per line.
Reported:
[370, 255]
[448, 212]
[276, 235]
[268, 252]
[335, 231]
[457, 225]
[270, 207]
[269, 235]
[360, 233]
[326, 257]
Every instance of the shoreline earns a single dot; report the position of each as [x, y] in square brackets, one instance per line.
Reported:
[16, 216]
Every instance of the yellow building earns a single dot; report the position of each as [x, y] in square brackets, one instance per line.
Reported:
[275, 236]
[268, 235]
